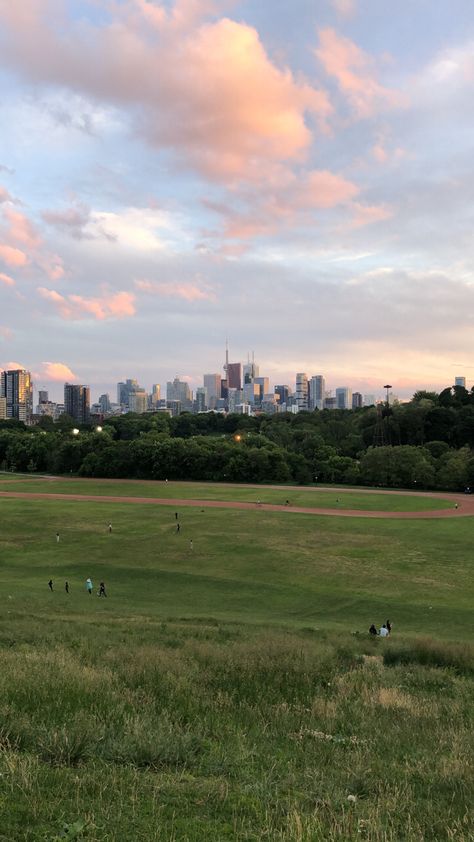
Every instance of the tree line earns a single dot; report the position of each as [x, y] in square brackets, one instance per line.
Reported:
[426, 443]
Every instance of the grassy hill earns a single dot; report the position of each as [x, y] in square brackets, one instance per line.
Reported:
[230, 691]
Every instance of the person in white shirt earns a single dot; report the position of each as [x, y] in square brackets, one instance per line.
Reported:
[383, 631]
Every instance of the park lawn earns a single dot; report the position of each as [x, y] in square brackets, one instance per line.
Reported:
[314, 497]
[245, 566]
[230, 692]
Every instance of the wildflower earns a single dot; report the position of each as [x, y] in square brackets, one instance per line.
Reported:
[352, 798]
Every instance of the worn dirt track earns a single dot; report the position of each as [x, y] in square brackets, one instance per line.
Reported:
[465, 503]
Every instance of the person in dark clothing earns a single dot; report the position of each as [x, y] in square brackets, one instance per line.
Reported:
[50, 584]
[66, 587]
[176, 515]
[102, 589]
[388, 626]
[110, 528]
[372, 630]
[178, 528]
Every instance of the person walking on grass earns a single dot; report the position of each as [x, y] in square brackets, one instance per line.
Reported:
[89, 586]
[57, 537]
[176, 515]
[178, 527]
[66, 587]
[50, 584]
[110, 528]
[191, 545]
[102, 589]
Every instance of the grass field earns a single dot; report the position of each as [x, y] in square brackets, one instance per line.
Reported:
[314, 497]
[230, 692]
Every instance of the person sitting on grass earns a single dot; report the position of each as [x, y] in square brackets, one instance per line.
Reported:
[373, 630]
[383, 631]
[389, 626]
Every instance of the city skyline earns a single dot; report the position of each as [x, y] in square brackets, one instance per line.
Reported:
[299, 180]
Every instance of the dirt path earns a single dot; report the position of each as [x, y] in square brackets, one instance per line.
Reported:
[465, 503]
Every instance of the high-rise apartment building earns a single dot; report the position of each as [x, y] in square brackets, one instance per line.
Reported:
[17, 388]
[301, 391]
[124, 390]
[212, 385]
[155, 396]
[3, 409]
[343, 398]
[77, 402]
[357, 400]
[43, 396]
[200, 399]
[369, 400]
[283, 393]
[263, 384]
[316, 391]
[104, 404]
[138, 401]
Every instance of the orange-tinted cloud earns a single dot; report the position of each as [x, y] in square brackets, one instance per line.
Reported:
[57, 371]
[21, 230]
[210, 92]
[5, 195]
[186, 291]
[368, 214]
[117, 305]
[355, 74]
[12, 256]
[5, 279]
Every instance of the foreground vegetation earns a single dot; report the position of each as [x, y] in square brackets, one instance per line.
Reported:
[230, 691]
[429, 443]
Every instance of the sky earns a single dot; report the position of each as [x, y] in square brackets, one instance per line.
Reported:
[296, 177]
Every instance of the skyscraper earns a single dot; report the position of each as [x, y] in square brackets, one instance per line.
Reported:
[343, 398]
[283, 393]
[316, 390]
[178, 390]
[302, 391]
[234, 375]
[17, 388]
[212, 385]
[356, 400]
[77, 402]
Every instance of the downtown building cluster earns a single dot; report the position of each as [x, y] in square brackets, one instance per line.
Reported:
[240, 389]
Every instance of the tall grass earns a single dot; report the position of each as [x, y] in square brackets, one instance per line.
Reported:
[239, 736]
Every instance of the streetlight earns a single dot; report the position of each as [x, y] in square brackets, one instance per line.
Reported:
[98, 429]
[75, 431]
[387, 388]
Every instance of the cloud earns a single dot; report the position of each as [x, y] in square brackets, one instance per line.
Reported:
[369, 214]
[73, 220]
[5, 196]
[245, 114]
[21, 229]
[6, 332]
[57, 371]
[12, 256]
[5, 279]
[72, 307]
[354, 72]
[344, 8]
[186, 291]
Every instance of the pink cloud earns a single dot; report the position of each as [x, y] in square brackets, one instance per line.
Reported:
[324, 189]
[12, 256]
[345, 8]
[21, 230]
[6, 332]
[354, 71]
[368, 214]
[5, 279]
[57, 371]
[74, 307]
[243, 116]
[188, 292]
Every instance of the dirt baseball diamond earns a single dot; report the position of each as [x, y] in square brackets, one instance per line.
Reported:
[465, 503]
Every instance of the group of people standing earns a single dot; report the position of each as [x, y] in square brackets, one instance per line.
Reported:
[89, 587]
[384, 630]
